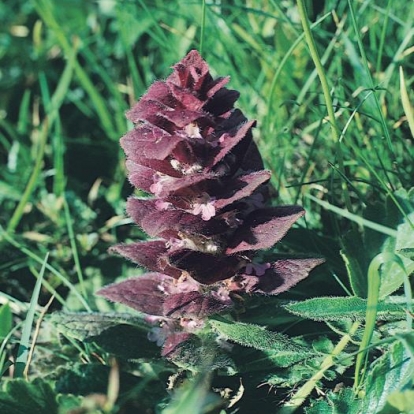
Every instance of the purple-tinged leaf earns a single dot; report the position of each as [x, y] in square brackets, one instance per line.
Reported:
[230, 139]
[148, 141]
[215, 85]
[173, 342]
[280, 277]
[185, 97]
[263, 228]
[148, 254]
[167, 223]
[140, 293]
[240, 187]
[140, 176]
[173, 185]
[251, 158]
[192, 305]
[206, 268]
[222, 102]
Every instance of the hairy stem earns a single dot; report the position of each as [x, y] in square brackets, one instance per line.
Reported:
[300, 396]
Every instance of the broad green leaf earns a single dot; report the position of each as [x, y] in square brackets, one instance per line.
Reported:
[22, 397]
[343, 402]
[338, 308]
[390, 373]
[392, 274]
[84, 325]
[279, 348]
[198, 356]
[402, 401]
[123, 335]
[407, 340]
[68, 402]
[250, 359]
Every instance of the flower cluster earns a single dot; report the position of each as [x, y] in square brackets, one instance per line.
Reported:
[193, 152]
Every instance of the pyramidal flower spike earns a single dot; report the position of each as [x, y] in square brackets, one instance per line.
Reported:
[206, 212]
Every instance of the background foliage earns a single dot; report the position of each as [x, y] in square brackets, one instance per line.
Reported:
[71, 68]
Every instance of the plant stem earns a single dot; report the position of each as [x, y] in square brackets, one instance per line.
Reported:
[203, 25]
[300, 396]
[325, 88]
[319, 68]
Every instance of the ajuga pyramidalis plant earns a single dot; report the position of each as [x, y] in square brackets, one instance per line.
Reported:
[207, 211]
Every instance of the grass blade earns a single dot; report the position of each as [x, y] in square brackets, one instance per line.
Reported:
[23, 351]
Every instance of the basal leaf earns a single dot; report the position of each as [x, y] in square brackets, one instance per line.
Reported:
[390, 373]
[84, 325]
[338, 308]
[277, 347]
[22, 397]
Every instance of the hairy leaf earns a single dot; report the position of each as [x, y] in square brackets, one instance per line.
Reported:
[279, 346]
[192, 304]
[279, 277]
[142, 293]
[390, 373]
[338, 308]
[263, 228]
[84, 325]
[342, 402]
[22, 397]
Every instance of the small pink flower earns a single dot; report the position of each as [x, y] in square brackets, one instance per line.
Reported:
[204, 207]
[162, 205]
[160, 181]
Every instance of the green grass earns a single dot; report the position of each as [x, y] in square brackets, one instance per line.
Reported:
[334, 105]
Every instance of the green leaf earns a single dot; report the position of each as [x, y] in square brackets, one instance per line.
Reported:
[22, 397]
[198, 356]
[68, 402]
[388, 374]
[121, 334]
[127, 342]
[83, 325]
[5, 321]
[343, 402]
[279, 348]
[356, 262]
[392, 274]
[402, 401]
[338, 308]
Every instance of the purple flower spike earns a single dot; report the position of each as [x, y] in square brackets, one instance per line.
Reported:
[193, 153]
